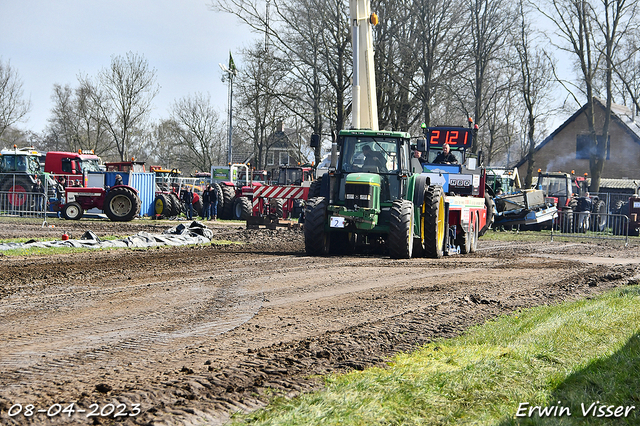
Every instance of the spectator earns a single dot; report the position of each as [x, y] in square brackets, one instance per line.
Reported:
[39, 196]
[446, 156]
[118, 181]
[61, 188]
[206, 211]
[213, 200]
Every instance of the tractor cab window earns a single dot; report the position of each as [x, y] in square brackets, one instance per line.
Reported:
[369, 154]
[8, 163]
[553, 187]
[433, 153]
[91, 165]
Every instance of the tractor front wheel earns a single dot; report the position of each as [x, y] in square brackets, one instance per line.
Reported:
[163, 205]
[241, 208]
[121, 204]
[72, 211]
[433, 222]
[400, 240]
[316, 239]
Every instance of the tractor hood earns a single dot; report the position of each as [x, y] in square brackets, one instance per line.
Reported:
[363, 178]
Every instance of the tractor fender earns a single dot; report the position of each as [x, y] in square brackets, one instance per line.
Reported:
[125, 186]
[421, 182]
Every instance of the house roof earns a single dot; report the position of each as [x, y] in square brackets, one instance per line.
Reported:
[619, 113]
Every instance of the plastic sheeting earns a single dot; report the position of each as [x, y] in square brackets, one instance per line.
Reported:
[195, 233]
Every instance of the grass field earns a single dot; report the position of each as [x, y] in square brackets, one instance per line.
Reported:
[565, 360]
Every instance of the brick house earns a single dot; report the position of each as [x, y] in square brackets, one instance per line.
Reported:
[567, 148]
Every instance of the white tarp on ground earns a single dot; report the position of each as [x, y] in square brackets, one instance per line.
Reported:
[195, 233]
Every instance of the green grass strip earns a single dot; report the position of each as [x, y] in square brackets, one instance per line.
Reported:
[553, 357]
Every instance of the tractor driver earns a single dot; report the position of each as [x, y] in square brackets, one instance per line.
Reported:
[374, 158]
[446, 156]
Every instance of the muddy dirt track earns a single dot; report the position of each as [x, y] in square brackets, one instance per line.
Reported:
[189, 335]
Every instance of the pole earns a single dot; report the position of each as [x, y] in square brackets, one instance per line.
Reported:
[230, 150]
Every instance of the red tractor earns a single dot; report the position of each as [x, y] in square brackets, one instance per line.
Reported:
[120, 203]
[568, 193]
[169, 189]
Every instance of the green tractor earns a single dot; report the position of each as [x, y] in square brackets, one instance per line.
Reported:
[374, 196]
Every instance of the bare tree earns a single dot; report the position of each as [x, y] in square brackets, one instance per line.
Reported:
[197, 127]
[124, 93]
[76, 121]
[489, 23]
[441, 41]
[593, 32]
[535, 71]
[13, 108]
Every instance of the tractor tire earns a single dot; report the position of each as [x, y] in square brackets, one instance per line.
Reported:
[176, 205]
[316, 239]
[566, 221]
[121, 204]
[473, 245]
[433, 222]
[72, 211]
[197, 206]
[491, 207]
[599, 216]
[400, 239]
[219, 197]
[314, 189]
[228, 195]
[163, 205]
[276, 206]
[464, 239]
[17, 191]
[618, 222]
[241, 208]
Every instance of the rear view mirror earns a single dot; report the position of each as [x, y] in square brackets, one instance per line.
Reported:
[422, 144]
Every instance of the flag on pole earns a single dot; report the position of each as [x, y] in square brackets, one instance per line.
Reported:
[232, 65]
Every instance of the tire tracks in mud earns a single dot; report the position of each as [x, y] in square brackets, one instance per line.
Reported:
[303, 317]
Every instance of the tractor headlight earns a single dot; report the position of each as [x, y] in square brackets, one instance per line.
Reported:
[350, 196]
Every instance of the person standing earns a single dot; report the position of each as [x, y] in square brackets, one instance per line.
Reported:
[206, 211]
[61, 188]
[213, 201]
[39, 196]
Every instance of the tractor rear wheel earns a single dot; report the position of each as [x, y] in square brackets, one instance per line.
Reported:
[176, 205]
[241, 208]
[400, 239]
[276, 206]
[17, 188]
[316, 239]
[163, 205]
[197, 206]
[228, 194]
[464, 239]
[490, 206]
[433, 222]
[121, 204]
[599, 216]
[473, 245]
[72, 211]
[219, 197]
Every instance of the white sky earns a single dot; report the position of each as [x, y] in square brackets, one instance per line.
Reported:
[53, 41]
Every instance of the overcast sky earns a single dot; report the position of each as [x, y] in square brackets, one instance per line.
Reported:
[52, 41]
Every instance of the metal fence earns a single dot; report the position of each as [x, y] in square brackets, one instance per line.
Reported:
[20, 196]
[602, 226]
